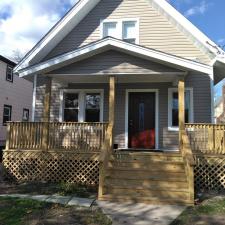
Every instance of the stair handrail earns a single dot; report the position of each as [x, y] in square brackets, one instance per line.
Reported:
[104, 157]
[189, 163]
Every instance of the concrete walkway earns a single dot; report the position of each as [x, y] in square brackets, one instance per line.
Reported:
[64, 200]
[140, 214]
[121, 214]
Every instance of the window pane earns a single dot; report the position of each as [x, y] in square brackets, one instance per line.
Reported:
[7, 111]
[71, 100]
[92, 111]
[9, 73]
[26, 115]
[129, 31]
[175, 112]
[70, 115]
[109, 29]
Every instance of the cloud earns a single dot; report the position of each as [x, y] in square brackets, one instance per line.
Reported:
[24, 22]
[198, 9]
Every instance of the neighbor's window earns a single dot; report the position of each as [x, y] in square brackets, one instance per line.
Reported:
[7, 114]
[71, 107]
[129, 31]
[25, 115]
[92, 109]
[174, 111]
[110, 29]
[9, 73]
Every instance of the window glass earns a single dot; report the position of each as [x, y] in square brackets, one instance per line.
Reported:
[71, 107]
[175, 111]
[92, 109]
[129, 31]
[109, 29]
[9, 74]
[25, 115]
[7, 112]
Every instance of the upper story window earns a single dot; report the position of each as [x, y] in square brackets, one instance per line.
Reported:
[127, 30]
[9, 73]
[110, 29]
[130, 31]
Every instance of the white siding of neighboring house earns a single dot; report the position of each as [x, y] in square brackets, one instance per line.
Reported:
[17, 94]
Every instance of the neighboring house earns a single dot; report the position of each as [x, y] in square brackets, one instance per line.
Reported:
[16, 97]
[220, 108]
[125, 63]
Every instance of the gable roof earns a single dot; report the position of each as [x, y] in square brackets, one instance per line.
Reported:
[119, 45]
[7, 61]
[83, 7]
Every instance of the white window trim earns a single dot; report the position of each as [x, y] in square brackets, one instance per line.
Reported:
[81, 102]
[156, 91]
[119, 32]
[170, 97]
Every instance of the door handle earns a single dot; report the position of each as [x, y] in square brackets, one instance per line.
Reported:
[130, 123]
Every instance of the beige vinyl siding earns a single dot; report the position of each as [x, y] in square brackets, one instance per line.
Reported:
[113, 62]
[167, 139]
[155, 30]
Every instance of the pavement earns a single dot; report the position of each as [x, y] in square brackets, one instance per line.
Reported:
[120, 213]
[140, 214]
[64, 200]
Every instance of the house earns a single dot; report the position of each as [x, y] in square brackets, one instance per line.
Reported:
[220, 108]
[123, 99]
[16, 97]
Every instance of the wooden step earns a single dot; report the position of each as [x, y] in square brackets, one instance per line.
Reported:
[147, 200]
[146, 157]
[168, 194]
[145, 175]
[146, 184]
[146, 166]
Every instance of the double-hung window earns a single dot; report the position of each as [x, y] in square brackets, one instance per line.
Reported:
[25, 115]
[173, 107]
[82, 106]
[7, 114]
[9, 73]
[126, 30]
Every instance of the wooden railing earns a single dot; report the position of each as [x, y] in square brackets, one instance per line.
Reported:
[56, 136]
[189, 163]
[206, 138]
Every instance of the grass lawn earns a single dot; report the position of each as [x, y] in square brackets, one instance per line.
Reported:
[42, 188]
[209, 212]
[14, 211]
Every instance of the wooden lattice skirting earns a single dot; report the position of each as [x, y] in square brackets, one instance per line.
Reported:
[209, 172]
[52, 166]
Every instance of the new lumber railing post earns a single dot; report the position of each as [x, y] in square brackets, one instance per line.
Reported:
[181, 108]
[46, 116]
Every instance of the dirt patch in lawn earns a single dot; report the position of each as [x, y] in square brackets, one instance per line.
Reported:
[29, 212]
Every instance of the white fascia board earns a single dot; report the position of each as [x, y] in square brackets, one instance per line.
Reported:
[111, 43]
[64, 26]
[192, 30]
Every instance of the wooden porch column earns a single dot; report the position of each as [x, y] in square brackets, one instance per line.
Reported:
[181, 107]
[112, 84]
[46, 114]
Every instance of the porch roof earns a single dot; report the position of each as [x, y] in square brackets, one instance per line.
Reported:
[108, 43]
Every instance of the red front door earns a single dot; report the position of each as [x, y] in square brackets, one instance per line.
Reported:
[141, 120]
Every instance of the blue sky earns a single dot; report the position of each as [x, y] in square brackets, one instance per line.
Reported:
[37, 17]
